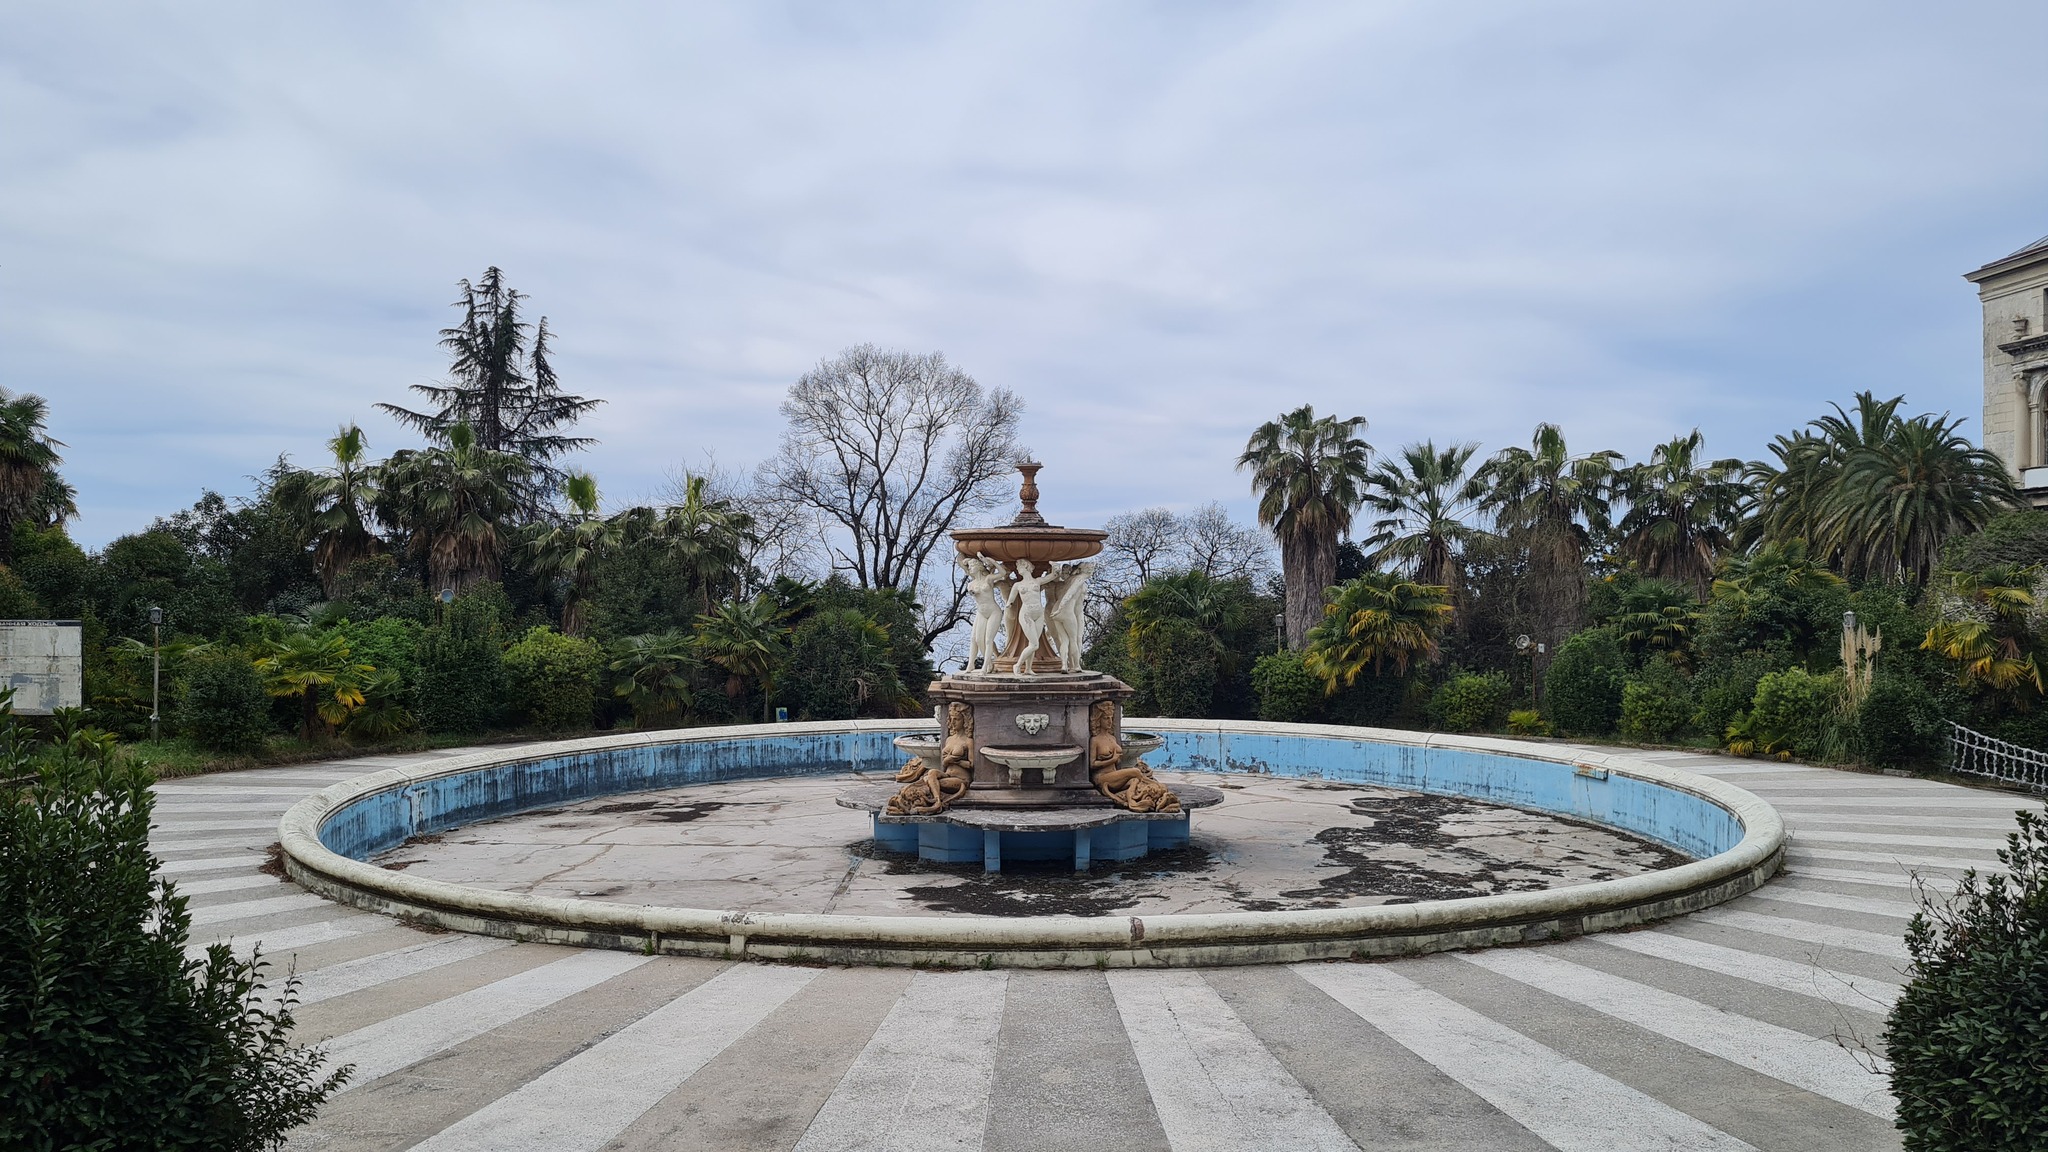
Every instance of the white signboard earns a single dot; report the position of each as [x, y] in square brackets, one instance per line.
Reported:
[44, 662]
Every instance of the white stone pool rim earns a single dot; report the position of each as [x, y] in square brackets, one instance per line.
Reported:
[1741, 839]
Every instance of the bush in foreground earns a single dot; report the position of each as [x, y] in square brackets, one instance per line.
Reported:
[111, 1039]
[1968, 1041]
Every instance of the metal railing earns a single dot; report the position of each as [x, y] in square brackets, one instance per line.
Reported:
[1975, 754]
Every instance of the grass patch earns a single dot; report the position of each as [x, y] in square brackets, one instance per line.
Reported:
[174, 757]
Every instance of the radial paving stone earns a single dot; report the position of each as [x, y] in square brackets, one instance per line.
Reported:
[763, 1091]
[1707, 1032]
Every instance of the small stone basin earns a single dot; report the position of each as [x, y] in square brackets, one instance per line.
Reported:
[922, 745]
[1021, 760]
[1138, 745]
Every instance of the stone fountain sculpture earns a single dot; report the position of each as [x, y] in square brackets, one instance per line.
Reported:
[1032, 758]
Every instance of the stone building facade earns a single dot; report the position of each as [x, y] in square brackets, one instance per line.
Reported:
[2014, 290]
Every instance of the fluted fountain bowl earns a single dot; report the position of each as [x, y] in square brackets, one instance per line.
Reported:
[1137, 745]
[1047, 545]
[922, 745]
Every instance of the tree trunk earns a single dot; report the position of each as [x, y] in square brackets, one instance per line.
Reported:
[1309, 565]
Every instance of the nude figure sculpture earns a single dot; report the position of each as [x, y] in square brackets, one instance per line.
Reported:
[991, 611]
[1065, 618]
[1131, 787]
[926, 791]
[1029, 594]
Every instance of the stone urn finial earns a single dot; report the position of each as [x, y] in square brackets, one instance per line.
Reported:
[1027, 516]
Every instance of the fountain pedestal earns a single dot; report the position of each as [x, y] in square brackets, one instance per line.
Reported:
[1087, 835]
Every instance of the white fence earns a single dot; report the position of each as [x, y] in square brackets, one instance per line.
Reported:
[1975, 754]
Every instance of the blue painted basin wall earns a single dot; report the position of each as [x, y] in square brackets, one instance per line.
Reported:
[380, 822]
[1692, 824]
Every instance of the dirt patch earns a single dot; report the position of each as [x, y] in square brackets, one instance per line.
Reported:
[666, 811]
[1044, 887]
[1405, 855]
[273, 862]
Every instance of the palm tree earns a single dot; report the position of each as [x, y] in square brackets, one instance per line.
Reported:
[1310, 475]
[1682, 513]
[1877, 494]
[1191, 596]
[318, 668]
[571, 552]
[453, 500]
[28, 459]
[707, 537]
[747, 638]
[1899, 501]
[1788, 498]
[56, 503]
[1551, 503]
[1984, 630]
[1378, 619]
[338, 507]
[655, 679]
[1423, 500]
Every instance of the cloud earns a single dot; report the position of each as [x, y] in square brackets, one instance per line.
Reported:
[225, 231]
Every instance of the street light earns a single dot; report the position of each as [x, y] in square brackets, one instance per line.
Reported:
[156, 668]
[1279, 631]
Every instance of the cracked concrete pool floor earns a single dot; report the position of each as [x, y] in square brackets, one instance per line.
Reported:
[784, 845]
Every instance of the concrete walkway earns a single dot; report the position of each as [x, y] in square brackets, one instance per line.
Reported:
[1724, 1030]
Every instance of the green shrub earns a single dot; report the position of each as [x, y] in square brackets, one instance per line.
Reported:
[1723, 689]
[462, 673]
[1528, 722]
[1790, 715]
[1968, 1041]
[1179, 662]
[1582, 689]
[840, 666]
[1288, 692]
[553, 679]
[224, 706]
[1656, 703]
[390, 644]
[109, 1037]
[1899, 724]
[1471, 702]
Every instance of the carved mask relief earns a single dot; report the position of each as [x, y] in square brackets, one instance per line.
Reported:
[1033, 722]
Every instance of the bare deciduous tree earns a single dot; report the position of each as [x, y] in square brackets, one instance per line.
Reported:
[1222, 549]
[1157, 542]
[891, 450]
[1138, 544]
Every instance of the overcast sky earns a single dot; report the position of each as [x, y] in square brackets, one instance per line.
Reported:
[226, 229]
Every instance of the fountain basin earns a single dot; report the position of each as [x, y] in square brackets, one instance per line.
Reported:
[1737, 840]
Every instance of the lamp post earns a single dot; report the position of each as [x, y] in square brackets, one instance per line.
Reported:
[1279, 631]
[156, 669]
[446, 598]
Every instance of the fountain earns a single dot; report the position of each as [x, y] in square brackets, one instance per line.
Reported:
[1032, 761]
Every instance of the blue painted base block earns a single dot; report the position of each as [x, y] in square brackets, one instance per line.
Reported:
[943, 843]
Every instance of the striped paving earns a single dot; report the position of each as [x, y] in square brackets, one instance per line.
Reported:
[1754, 1025]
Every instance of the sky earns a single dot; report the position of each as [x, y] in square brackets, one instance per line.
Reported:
[227, 229]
